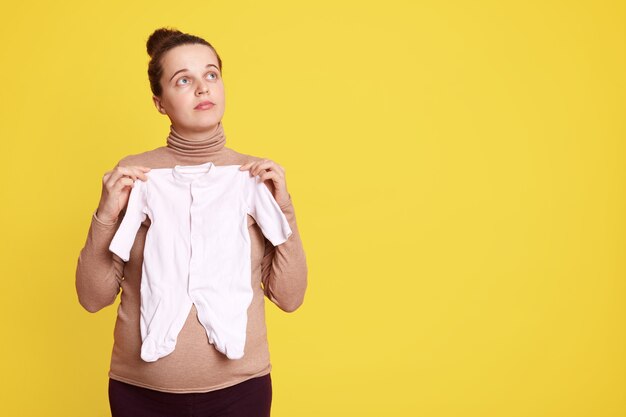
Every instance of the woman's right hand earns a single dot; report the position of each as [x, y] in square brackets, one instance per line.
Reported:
[116, 186]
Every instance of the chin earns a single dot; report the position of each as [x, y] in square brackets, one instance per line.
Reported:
[204, 125]
[212, 121]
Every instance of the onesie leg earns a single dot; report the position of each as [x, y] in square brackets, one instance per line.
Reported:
[224, 315]
[221, 288]
[162, 319]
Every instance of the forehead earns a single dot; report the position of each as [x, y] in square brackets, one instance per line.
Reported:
[192, 57]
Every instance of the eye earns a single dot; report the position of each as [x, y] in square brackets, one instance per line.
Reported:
[213, 73]
[179, 82]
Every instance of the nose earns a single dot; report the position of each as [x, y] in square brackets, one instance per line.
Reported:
[203, 88]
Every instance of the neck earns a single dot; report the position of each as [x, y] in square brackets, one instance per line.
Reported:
[197, 145]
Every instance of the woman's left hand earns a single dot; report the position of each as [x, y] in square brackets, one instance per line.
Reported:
[267, 169]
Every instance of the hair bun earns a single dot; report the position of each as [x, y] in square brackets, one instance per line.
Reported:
[158, 37]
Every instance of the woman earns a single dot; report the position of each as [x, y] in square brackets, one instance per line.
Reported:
[185, 74]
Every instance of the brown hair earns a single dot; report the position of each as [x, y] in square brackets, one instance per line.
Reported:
[161, 41]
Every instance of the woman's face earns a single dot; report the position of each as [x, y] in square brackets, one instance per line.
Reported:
[191, 76]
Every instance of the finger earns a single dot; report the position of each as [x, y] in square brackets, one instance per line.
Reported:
[132, 172]
[114, 177]
[106, 176]
[274, 166]
[264, 176]
[123, 183]
[250, 166]
[140, 172]
[275, 174]
[262, 165]
[251, 163]
[111, 178]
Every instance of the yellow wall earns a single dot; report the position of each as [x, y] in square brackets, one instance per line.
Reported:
[457, 170]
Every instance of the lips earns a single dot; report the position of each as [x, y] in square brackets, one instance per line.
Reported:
[205, 105]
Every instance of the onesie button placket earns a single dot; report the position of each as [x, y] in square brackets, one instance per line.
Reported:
[195, 177]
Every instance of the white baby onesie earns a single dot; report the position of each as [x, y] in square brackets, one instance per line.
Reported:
[197, 250]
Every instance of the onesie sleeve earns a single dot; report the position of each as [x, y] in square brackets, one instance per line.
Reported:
[136, 211]
[263, 207]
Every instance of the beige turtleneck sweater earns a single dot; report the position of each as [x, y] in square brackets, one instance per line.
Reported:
[280, 273]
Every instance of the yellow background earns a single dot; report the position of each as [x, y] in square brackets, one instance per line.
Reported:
[457, 170]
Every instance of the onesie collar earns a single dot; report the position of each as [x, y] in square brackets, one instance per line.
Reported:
[188, 173]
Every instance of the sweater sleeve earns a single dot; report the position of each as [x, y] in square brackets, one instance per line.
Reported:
[284, 269]
[98, 271]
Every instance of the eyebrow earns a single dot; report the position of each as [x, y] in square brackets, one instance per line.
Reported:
[185, 69]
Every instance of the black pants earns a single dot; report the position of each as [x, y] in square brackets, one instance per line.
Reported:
[250, 398]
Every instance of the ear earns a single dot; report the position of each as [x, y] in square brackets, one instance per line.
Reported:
[157, 104]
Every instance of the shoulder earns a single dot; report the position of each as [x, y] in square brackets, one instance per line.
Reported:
[147, 158]
[240, 158]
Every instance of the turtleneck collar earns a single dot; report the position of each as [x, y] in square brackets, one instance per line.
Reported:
[197, 147]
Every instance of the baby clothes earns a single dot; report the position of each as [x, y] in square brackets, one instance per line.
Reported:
[197, 250]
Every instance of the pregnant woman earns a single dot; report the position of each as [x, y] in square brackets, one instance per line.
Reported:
[195, 379]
